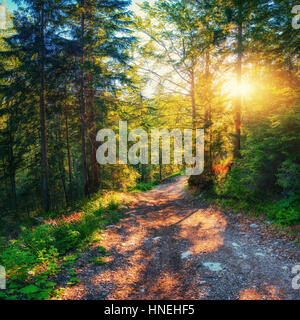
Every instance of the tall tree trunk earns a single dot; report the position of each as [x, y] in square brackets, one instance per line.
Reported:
[69, 161]
[92, 138]
[194, 120]
[61, 160]
[193, 100]
[82, 107]
[208, 115]
[12, 174]
[14, 190]
[43, 127]
[5, 181]
[238, 99]
[12, 168]
[160, 171]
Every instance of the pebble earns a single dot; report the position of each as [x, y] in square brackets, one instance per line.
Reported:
[156, 239]
[260, 254]
[254, 226]
[213, 266]
[186, 254]
[234, 244]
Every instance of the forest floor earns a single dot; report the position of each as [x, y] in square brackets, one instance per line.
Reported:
[171, 246]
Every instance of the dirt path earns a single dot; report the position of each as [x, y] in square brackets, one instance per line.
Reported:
[169, 247]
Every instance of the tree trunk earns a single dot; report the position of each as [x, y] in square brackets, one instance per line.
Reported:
[160, 172]
[69, 161]
[12, 174]
[61, 161]
[12, 167]
[82, 108]
[193, 98]
[208, 115]
[238, 100]
[92, 138]
[43, 127]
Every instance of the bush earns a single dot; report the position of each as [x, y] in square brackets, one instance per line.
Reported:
[288, 178]
[239, 183]
[38, 238]
[66, 237]
[284, 214]
[17, 259]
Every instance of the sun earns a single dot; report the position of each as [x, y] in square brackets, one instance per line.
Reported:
[234, 89]
[243, 89]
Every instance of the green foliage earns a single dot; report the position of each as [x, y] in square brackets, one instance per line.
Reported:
[103, 251]
[17, 259]
[98, 261]
[144, 186]
[284, 212]
[40, 253]
[73, 281]
[239, 184]
[39, 238]
[288, 177]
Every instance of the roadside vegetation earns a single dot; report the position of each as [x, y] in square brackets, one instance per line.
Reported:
[39, 253]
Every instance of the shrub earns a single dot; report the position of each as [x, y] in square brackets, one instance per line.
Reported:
[284, 215]
[17, 259]
[239, 183]
[38, 238]
[288, 177]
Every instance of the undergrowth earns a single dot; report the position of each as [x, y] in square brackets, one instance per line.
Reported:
[39, 253]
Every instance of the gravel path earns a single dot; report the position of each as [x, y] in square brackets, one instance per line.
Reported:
[170, 247]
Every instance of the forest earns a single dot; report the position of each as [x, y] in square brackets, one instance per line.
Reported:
[69, 68]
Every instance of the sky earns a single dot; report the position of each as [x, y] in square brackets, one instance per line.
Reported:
[10, 5]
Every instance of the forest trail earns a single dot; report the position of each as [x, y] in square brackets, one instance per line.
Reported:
[169, 246]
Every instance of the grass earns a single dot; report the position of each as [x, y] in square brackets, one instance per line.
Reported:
[180, 173]
[146, 186]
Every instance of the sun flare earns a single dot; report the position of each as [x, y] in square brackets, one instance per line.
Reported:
[235, 89]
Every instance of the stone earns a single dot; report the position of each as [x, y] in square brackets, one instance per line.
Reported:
[186, 254]
[156, 238]
[213, 266]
